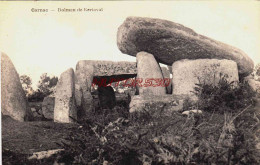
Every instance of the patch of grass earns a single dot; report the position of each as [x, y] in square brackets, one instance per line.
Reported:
[29, 137]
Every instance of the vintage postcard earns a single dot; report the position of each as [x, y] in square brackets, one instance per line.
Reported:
[130, 82]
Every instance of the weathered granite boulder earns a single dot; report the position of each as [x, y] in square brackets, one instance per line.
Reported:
[87, 104]
[65, 105]
[170, 42]
[83, 81]
[36, 108]
[187, 73]
[48, 107]
[106, 96]
[109, 68]
[106, 72]
[255, 85]
[148, 70]
[13, 99]
[166, 74]
[165, 103]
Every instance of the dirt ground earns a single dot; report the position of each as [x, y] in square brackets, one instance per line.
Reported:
[29, 137]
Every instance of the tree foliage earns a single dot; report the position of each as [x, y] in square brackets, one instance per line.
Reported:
[47, 83]
[46, 86]
[26, 82]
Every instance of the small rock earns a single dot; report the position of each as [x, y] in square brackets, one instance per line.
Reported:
[192, 111]
[44, 154]
[105, 162]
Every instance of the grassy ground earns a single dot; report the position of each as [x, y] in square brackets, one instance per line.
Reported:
[116, 136]
[22, 138]
[29, 137]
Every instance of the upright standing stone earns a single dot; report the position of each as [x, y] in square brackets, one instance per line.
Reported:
[187, 73]
[149, 71]
[166, 75]
[48, 107]
[13, 99]
[65, 106]
[83, 82]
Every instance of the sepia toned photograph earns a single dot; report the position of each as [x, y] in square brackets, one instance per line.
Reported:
[130, 82]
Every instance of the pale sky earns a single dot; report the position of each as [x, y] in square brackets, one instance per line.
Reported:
[53, 42]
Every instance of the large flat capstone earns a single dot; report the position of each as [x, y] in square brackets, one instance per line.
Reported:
[107, 71]
[170, 42]
[109, 68]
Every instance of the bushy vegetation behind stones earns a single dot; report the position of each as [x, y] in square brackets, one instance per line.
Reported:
[45, 87]
[226, 132]
[224, 97]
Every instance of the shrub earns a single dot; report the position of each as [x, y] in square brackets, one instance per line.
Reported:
[226, 96]
[225, 133]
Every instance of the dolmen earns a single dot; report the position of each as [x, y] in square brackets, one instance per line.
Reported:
[193, 58]
[190, 58]
[73, 99]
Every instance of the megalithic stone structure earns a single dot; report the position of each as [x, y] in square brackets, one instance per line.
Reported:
[13, 99]
[148, 70]
[65, 110]
[170, 42]
[90, 73]
[187, 73]
[83, 82]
